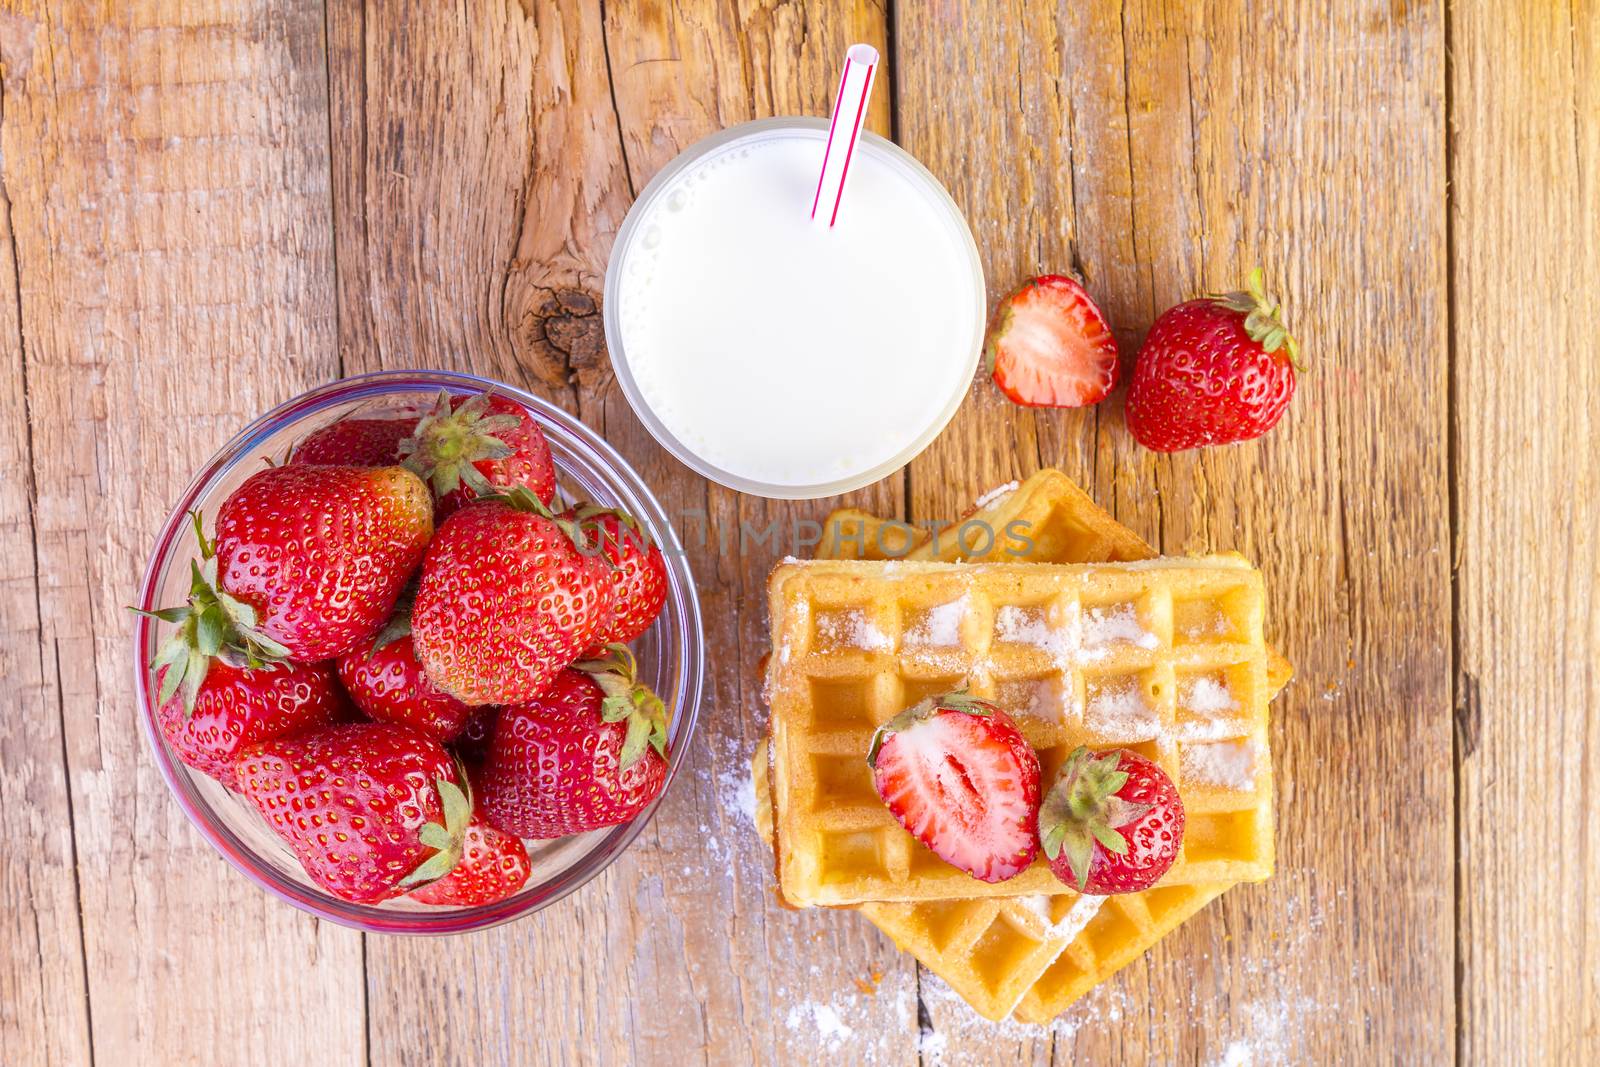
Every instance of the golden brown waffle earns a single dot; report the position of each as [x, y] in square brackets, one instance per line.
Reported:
[1043, 519]
[1165, 657]
[1025, 956]
[850, 533]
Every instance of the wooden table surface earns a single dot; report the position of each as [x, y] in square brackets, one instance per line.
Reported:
[208, 206]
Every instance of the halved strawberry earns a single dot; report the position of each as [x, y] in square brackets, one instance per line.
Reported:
[1050, 346]
[962, 780]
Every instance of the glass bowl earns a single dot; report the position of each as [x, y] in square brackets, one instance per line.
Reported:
[670, 654]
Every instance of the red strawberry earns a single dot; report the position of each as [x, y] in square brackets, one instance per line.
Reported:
[493, 866]
[638, 574]
[221, 684]
[371, 810]
[1212, 372]
[388, 685]
[355, 443]
[236, 706]
[962, 780]
[469, 447]
[1112, 823]
[589, 752]
[1049, 346]
[507, 600]
[321, 554]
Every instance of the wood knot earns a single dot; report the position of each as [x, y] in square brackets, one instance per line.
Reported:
[559, 333]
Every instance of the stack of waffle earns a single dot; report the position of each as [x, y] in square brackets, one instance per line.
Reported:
[1044, 604]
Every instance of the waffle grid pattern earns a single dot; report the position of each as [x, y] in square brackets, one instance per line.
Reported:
[1166, 658]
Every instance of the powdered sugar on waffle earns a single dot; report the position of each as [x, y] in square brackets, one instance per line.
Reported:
[852, 629]
[1104, 627]
[1121, 712]
[940, 627]
[1069, 925]
[994, 496]
[1209, 697]
[1028, 626]
[1225, 764]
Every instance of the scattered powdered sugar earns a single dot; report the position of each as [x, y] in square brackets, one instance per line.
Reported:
[1108, 626]
[1226, 764]
[995, 495]
[824, 1019]
[852, 629]
[1207, 696]
[1237, 1054]
[940, 627]
[1069, 925]
[931, 1044]
[736, 792]
[1028, 626]
[1039, 904]
[1119, 711]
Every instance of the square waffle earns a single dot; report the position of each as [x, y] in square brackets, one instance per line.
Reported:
[1028, 957]
[1162, 656]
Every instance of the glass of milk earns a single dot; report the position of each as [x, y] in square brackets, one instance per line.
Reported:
[774, 354]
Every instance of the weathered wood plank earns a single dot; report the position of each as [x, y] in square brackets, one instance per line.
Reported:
[44, 1013]
[168, 211]
[1525, 178]
[774, 984]
[672, 954]
[1163, 152]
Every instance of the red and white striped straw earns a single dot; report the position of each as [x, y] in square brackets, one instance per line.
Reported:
[849, 110]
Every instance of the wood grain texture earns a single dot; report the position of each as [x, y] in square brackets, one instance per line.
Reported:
[1525, 164]
[1161, 151]
[168, 205]
[206, 207]
[43, 1010]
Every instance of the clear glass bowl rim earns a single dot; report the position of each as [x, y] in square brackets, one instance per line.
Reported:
[682, 600]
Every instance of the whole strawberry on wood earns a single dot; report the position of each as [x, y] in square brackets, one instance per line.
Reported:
[960, 777]
[355, 442]
[387, 682]
[638, 573]
[222, 685]
[321, 554]
[510, 594]
[494, 865]
[1112, 823]
[468, 447]
[371, 810]
[1213, 372]
[589, 752]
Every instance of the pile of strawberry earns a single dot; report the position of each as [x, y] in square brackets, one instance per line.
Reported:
[960, 777]
[409, 663]
[1210, 372]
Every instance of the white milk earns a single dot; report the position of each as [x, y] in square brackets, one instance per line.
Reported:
[786, 354]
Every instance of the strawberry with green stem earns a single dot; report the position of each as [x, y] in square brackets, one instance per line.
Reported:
[494, 865]
[1112, 823]
[221, 684]
[469, 447]
[320, 553]
[1213, 372]
[638, 573]
[371, 810]
[510, 594]
[589, 752]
